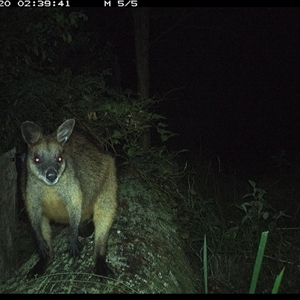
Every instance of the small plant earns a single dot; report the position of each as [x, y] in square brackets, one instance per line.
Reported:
[258, 210]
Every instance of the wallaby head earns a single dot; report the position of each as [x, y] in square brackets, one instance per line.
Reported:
[45, 153]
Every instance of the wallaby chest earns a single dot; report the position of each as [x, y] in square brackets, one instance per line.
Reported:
[54, 205]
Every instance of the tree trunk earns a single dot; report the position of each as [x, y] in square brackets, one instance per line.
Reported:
[145, 252]
[141, 27]
[8, 220]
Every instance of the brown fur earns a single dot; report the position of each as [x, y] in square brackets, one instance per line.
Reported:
[68, 180]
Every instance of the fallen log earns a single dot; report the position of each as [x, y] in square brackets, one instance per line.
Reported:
[145, 252]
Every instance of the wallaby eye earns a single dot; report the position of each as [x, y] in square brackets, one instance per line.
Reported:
[59, 159]
[36, 160]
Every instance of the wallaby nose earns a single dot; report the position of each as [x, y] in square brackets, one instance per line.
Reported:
[51, 175]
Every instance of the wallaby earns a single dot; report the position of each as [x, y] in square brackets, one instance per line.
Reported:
[67, 179]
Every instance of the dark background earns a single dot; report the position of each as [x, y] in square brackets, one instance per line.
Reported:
[234, 72]
[229, 75]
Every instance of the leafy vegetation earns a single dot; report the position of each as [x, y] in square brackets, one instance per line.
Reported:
[215, 207]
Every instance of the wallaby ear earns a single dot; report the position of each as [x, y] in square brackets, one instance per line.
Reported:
[65, 130]
[31, 132]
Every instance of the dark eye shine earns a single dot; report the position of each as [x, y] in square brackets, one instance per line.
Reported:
[37, 159]
[59, 159]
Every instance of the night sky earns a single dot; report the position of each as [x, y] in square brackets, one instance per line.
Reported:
[236, 69]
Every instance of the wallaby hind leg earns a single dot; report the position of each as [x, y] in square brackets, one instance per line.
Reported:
[103, 221]
[39, 268]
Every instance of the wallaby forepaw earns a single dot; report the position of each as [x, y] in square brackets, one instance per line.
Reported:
[75, 248]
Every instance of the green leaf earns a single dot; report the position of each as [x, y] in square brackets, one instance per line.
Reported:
[245, 219]
[156, 116]
[245, 205]
[59, 18]
[277, 282]
[73, 19]
[164, 138]
[69, 38]
[232, 232]
[130, 152]
[265, 215]
[185, 235]
[258, 262]
[247, 195]
[117, 134]
[252, 183]
[160, 124]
